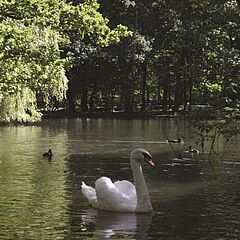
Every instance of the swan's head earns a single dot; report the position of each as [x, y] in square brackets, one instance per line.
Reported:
[141, 155]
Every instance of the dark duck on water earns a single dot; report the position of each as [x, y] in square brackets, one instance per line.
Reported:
[48, 154]
[193, 150]
[179, 140]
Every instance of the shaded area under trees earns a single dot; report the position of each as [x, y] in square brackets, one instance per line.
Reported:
[180, 54]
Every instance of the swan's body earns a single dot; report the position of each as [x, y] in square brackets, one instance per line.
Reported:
[122, 196]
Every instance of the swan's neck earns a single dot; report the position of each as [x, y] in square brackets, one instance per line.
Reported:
[143, 199]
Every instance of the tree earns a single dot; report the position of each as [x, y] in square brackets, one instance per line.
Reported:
[33, 35]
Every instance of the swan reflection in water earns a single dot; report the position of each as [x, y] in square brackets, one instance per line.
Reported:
[114, 225]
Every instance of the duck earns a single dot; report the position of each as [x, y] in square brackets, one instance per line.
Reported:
[193, 150]
[122, 196]
[48, 154]
[179, 140]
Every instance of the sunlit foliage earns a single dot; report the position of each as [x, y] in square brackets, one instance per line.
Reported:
[32, 36]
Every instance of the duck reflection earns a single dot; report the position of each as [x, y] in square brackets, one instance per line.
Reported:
[118, 225]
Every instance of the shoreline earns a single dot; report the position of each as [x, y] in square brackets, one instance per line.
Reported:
[200, 114]
[66, 114]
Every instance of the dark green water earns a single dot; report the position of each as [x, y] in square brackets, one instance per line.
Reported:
[41, 199]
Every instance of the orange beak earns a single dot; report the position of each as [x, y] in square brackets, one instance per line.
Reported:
[150, 162]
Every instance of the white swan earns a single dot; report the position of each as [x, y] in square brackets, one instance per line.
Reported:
[122, 196]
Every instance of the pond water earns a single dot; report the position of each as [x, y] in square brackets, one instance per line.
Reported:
[41, 199]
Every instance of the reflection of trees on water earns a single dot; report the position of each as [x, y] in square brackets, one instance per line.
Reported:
[32, 200]
[115, 225]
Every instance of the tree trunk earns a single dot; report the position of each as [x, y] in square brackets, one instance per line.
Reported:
[178, 90]
[84, 100]
[190, 93]
[91, 100]
[128, 96]
[165, 94]
[144, 83]
[159, 90]
[70, 100]
[128, 101]
[148, 96]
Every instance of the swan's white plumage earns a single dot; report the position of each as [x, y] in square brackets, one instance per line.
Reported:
[126, 187]
[89, 193]
[113, 196]
[121, 196]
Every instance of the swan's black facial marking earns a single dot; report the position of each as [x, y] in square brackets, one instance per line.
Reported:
[146, 156]
[148, 159]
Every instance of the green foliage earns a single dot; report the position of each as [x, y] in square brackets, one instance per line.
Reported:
[32, 37]
[19, 107]
[178, 53]
[30, 60]
[214, 126]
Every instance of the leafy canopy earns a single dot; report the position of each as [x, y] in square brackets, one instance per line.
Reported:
[32, 36]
